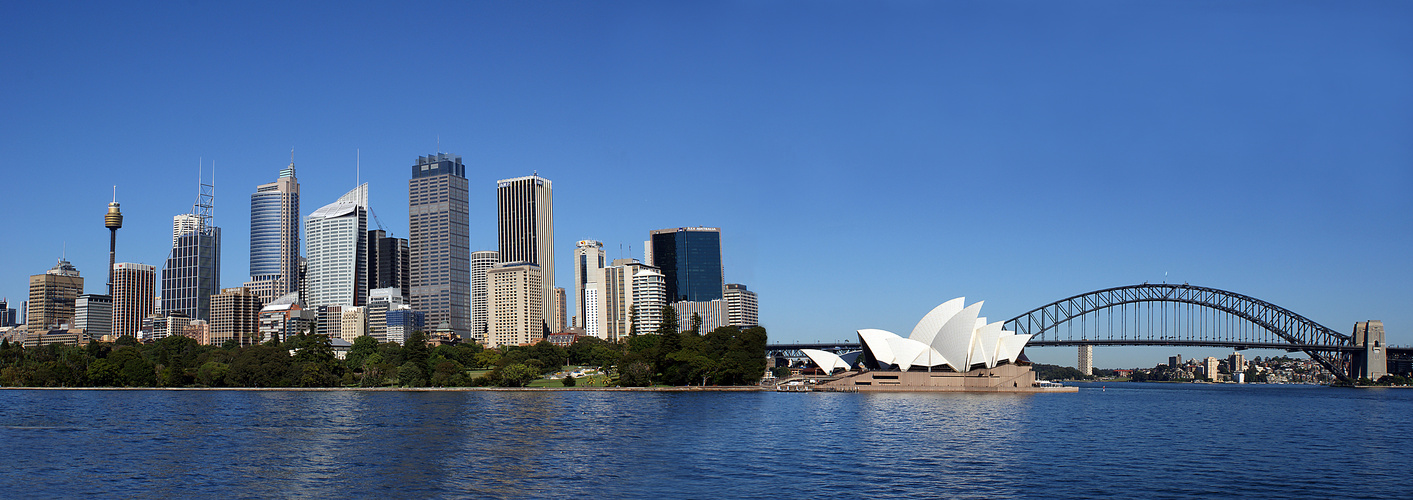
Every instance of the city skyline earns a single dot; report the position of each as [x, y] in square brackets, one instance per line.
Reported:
[1253, 148]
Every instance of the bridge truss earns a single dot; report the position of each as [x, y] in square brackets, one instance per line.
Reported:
[1177, 315]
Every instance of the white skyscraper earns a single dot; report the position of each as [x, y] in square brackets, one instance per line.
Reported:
[480, 294]
[588, 265]
[336, 237]
[525, 219]
[649, 296]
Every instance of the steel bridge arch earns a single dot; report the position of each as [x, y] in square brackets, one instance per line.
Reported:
[1324, 345]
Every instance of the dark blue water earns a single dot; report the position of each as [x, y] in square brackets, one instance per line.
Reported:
[1129, 440]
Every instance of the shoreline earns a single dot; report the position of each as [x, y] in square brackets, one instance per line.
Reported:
[407, 389]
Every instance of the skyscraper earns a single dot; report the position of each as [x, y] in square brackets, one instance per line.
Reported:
[516, 310]
[480, 295]
[620, 298]
[192, 273]
[7, 314]
[690, 261]
[133, 289]
[337, 237]
[588, 261]
[52, 296]
[525, 216]
[649, 296]
[389, 264]
[274, 236]
[439, 237]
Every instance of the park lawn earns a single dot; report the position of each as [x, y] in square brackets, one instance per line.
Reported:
[544, 382]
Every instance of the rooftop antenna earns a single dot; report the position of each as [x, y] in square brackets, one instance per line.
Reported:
[357, 167]
[439, 143]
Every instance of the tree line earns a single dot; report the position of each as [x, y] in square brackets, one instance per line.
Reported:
[724, 356]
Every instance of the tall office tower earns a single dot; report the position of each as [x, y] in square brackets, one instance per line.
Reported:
[113, 220]
[742, 306]
[380, 301]
[649, 296]
[52, 296]
[192, 273]
[1209, 366]
[561, 308]
[480, 295]
[93, 313]
[615, 306]
[516, 307]
[588, 260]
[274, 236]
[389, 263]
[690, 261]
[336, 238]
[439, 236]
[525, 215]
[7, 315]
[133, 287]
[235, 315]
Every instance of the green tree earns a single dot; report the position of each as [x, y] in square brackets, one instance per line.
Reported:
[411, 374]
[569, 380]
[103, 373]
[212, 374]
[669, 320]
[518, 375]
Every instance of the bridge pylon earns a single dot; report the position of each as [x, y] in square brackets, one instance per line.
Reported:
[1371, 360]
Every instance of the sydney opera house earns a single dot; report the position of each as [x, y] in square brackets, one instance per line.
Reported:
[953, 348]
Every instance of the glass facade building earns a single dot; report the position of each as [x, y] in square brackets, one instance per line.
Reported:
[690, 261]
[274, 236]
[192, 271]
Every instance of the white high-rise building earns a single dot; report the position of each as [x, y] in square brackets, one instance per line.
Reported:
[93, 314]
[588, 260]
[742, 307]
[649, 296]
[525, 219]
[336, 236]
[480, 296]
[516, 307]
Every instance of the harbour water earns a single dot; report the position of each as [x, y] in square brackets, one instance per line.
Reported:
[1110, 440]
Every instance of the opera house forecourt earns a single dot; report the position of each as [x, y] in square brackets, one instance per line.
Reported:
[952, 349]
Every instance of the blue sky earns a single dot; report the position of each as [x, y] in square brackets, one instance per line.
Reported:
[865, 160]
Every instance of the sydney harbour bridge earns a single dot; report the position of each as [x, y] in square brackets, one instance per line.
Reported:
[1186, 315]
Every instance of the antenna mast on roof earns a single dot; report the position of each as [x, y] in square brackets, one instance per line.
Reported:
[205, 197]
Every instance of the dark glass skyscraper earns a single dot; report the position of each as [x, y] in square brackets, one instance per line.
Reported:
[690, 261]
[388, 264]
[439, 239]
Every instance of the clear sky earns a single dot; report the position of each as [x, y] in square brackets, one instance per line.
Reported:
[865, 160]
